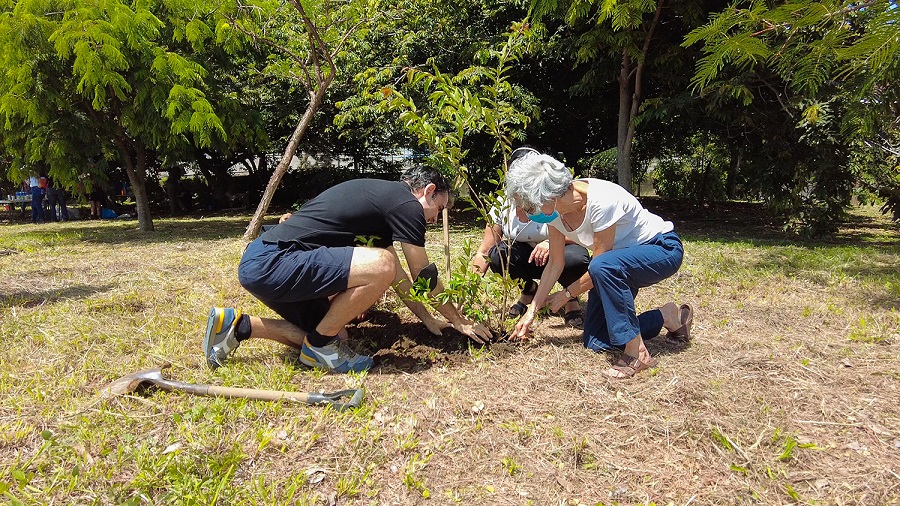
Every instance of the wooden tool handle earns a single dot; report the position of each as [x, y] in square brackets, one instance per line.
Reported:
[251, 393]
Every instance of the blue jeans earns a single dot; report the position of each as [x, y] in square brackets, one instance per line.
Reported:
[610, 320]
[37, 204]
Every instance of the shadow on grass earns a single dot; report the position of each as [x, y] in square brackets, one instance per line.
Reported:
[126, 232]
[27, 298]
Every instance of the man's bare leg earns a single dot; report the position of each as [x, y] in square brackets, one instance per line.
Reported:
[281, 331]
[371, 274]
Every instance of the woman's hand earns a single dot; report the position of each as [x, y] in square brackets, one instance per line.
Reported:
[479, 264]
[556, 300]
[540, 254]
[434, 325]
[523, 326]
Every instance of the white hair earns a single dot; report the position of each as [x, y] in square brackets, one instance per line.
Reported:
[535, 179]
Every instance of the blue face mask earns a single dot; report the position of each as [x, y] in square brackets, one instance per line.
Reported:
[540, 217]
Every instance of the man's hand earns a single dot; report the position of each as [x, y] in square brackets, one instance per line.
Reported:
[435, 326]
[540, 254]
[284, 217]
[476, 331]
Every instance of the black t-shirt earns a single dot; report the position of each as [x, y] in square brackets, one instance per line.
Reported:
[361, 212]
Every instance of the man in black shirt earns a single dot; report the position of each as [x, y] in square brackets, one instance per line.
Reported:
[331, 261]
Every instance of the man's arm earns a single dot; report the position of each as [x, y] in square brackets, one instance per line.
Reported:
[402, 285]
[417, 259]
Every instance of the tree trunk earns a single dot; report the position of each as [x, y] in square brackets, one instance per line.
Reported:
[136, 168]
[172, 186]
[145, 221]
[623, 145]
[315, 101]
[731, 182]
[630, 103]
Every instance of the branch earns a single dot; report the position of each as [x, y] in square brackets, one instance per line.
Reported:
[294, 56]
[777, 96]
[317, 43]
[853, 8]
[886, 148]
[639, 70]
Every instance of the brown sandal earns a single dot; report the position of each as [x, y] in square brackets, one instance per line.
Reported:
[687, 319]
[629, 366]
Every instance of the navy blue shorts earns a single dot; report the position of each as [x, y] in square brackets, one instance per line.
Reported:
[295, 283]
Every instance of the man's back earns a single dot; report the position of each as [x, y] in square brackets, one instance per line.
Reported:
[361, 212]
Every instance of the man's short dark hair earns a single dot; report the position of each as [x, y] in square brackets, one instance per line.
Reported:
[419, 177]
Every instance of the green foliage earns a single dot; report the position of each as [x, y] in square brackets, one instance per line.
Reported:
[601, 165]
[477, 100]
[697, 171]
[484, 299]
[836, 64]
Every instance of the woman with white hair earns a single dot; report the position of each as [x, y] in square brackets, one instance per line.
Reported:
[515, 245]
[632, 249]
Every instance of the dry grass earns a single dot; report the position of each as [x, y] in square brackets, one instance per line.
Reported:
[788, 393]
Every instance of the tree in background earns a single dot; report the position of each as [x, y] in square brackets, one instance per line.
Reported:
[107, 68]
[834, 70]
[622, 32]
[308, 39]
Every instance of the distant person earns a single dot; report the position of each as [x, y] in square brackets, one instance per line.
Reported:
[522, 246]
[331, 261]
[56, 198]
[96, 199]
[37, 199]
[25, 188]
[632, 249]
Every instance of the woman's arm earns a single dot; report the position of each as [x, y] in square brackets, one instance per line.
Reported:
[492, 237]
[551, 274]
[603, 242]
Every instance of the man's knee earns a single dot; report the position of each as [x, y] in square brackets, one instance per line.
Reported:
[376, 266]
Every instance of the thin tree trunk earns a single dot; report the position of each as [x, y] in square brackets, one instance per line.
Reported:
[630, 103]
[145, 221]
[315, 101]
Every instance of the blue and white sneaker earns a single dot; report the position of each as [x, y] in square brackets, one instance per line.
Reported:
[220, 339]
[336, 356]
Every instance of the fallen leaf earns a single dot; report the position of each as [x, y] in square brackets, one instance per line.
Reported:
[847, 363]
[856, 446]
[477, 407]
[83, 453]
[821, 483]
[564, 483]
[316, 474]
[174, 447]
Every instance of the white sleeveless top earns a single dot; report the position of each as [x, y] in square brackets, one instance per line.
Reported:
[522, 231]
[609, 204]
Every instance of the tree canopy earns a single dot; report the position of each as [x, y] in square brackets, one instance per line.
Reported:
[791, 103]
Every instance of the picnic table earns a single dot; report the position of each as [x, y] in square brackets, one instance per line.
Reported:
[11, 204]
